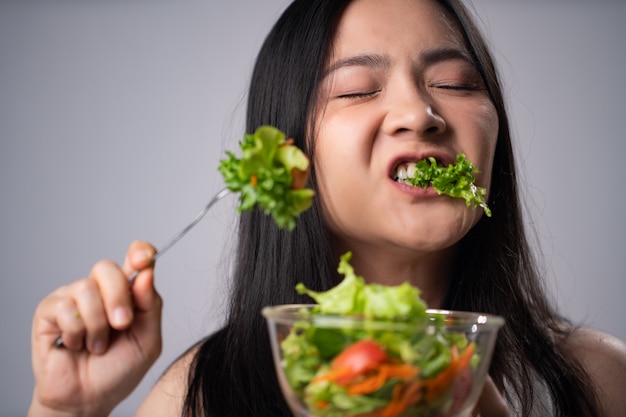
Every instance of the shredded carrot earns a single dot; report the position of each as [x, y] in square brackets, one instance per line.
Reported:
[403, 396]
[254, 180]
[466, 357]
[288, 142]
[410, 393]
[321, 404]
[333, 375]
[378, 378]
[435, 385]
[369, 384]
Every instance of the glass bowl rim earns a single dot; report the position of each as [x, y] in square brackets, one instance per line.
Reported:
[288, 314]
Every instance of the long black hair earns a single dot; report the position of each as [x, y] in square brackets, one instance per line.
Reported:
[496, 272]
[232, 373]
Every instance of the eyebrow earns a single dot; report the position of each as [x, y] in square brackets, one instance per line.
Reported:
[426, 58]
[365, 60]
[437, 55]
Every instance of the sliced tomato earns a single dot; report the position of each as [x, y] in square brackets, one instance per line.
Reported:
[357, 359]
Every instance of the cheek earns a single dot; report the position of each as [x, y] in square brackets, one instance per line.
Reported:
[329, 152]
[333, 191]
[341, 164]
[331, 173]
[485, 148]
[342, 149]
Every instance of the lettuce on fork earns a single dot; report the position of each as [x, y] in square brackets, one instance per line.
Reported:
[271, 173]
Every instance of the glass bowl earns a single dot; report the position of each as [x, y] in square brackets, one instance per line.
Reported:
[347, 366]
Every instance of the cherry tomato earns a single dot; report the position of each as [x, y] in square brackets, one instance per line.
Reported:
[358, 358]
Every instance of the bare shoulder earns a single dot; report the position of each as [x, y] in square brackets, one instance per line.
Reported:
[604, 357]
[168, 394]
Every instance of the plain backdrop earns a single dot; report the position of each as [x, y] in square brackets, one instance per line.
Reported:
[114, 115]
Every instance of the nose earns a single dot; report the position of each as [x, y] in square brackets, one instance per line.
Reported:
[408, 110]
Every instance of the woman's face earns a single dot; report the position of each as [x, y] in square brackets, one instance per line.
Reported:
[399, 87]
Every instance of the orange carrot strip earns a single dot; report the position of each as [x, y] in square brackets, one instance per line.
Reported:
[413, 393]
[381, 375]
[402, 371]
[333, 375]
[466, 356]
[369, 384]
[321, 404]
[394, 408]
[404, 396]
[434, 386]
[254, 180]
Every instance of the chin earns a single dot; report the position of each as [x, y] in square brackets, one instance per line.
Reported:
[435, 229]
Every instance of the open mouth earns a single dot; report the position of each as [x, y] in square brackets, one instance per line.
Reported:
[454, 180]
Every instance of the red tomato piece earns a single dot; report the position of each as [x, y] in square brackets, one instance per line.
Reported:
[358, 358]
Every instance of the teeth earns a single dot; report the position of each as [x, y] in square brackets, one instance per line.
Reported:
[411, 170]
[401, 172]
[405, 171]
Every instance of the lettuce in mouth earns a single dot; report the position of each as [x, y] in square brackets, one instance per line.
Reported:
[455, 180]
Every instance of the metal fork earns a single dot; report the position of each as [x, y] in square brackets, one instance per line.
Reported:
[217, 197]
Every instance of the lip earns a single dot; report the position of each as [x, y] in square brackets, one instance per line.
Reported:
[415, 192]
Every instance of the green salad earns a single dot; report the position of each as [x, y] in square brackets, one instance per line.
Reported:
[370, 370]
[455, 180]
[271, 173]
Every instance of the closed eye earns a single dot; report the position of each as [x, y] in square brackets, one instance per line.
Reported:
[364, 94]
[457, 87]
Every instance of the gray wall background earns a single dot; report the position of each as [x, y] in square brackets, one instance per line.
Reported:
[114, 115]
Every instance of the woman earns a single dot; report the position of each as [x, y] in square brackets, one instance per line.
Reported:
[365, 87]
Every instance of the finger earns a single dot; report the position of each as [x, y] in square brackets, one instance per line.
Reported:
[138, 257]
[491, 403]
[91, 311]
[114, 291]
[61, 318]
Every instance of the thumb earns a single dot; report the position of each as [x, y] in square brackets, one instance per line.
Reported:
[148, 306]
[145, 296]
[140, 260]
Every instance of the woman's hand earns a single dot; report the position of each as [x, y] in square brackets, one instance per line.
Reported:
[111, 336]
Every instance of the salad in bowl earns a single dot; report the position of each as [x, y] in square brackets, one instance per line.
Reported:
[369, 350]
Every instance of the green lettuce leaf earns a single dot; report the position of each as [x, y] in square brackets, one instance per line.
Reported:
[352, 296]
[455, 180]
[270, 174]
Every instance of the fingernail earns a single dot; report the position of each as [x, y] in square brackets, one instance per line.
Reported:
[142, 256]
[121, 316]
